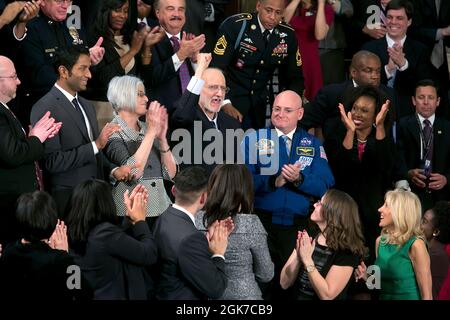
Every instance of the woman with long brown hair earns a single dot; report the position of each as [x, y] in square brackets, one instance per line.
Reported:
[247, 259]
[323, 266]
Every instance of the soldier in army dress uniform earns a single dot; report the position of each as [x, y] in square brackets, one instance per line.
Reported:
[249, 49]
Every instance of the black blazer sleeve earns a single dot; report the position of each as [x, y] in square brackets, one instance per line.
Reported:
[136, 246]
[14, 150]
[206, 274]
[185, 110]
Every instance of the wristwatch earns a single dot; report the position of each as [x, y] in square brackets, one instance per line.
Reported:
[310, 268]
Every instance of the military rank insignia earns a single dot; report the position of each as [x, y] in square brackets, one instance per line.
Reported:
[74, 34]
[221, 46]
[298, 57]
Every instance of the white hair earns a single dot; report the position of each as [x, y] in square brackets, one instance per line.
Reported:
[122, 92]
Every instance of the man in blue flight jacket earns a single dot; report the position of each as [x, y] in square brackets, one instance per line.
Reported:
[289, 168]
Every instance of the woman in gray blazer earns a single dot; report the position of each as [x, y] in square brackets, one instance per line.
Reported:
[247, 259]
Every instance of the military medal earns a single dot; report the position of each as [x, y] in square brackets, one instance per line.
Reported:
[74, 34]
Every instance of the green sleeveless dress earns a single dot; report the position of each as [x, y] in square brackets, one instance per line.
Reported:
[398, 280]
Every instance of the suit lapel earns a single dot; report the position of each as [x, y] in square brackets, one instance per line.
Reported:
[439, 135]
[20, 130]
[90, 113]
[68, 107]
[181, 215]
[254, 33]
[413, 128]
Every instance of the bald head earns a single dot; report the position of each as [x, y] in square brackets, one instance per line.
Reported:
[365, 68]
[8, 80]
[287, 111]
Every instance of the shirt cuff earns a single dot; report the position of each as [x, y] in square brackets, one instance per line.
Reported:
[113, 180]
[439, 35]
[195, 85]
[176, 62]
[226, 101]
[405, 66]
[194, 66]
[24, 35]
[218, 255]
[402, 184]
[94, 146]
[388, 75]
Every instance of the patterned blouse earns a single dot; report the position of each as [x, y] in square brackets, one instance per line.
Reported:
[120, 149]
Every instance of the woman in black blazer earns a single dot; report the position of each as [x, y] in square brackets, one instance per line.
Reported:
[113, 258]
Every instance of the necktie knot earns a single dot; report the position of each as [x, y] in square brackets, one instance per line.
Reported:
[427, 123]
[266, 35]
[287, 142]
[175, 43]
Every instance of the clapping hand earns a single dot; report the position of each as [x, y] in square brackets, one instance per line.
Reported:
[305, 247]
[381, 116]
[136, 203]
[346, 119]
[97, 52]
[58, 239]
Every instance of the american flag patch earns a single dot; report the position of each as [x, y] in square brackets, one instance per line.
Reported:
[323, 154]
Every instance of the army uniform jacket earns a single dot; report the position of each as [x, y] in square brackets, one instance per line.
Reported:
[250, 65]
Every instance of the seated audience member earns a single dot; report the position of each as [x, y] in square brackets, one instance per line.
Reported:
[362, 156]
[190, 265]
[38, 266]
[247, 259]
[424, 147]
[200, 107]
[323, 111]
[444, 293]
[323, 267]
[112, 257]
[126, 51]
[402, 255]
[142, 145]
[436, 227]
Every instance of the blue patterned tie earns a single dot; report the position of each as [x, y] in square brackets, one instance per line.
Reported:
[428, 146]
[287, 144]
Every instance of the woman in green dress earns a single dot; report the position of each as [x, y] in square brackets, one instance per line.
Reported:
[402, 256]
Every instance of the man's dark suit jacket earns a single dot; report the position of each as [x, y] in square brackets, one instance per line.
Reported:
[187, 113]
[185, 267]
[161, 77]
[17, 170]
[69, 157]
[409, 150]
[405, 81]
[323, 110]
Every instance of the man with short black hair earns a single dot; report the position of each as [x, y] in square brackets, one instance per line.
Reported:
[190, 265]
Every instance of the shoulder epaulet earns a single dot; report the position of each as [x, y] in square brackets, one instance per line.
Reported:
[285, 25]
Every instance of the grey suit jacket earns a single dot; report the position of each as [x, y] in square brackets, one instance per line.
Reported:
[69, 157]
[247, 259]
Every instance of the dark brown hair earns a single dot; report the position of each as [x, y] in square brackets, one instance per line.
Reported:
[343, 230]
[230, 191]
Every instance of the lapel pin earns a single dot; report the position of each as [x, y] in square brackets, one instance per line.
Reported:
[253, 27]
[439, 132]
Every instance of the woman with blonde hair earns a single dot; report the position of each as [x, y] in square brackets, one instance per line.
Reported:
[401, 251]
[323, 267]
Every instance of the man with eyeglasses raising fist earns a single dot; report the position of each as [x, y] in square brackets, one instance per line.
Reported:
[200, 107]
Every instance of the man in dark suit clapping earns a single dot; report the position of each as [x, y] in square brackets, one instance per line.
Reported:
[191, 266]
[19, 151]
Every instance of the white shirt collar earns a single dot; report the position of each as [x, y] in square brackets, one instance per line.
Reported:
[391, 42]
[290, 134]
[355, 85]
[185, 211]
[431, 119]
[213, 120]
[178, 35]
[262, 27]
[144, 20]
[66, 94]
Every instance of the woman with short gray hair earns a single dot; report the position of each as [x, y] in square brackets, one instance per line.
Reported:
[142, 145]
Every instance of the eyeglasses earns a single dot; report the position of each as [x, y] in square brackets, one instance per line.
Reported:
[60, 2]
[141, 94]
[287, 110]
[14, 77]
[216, 87]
